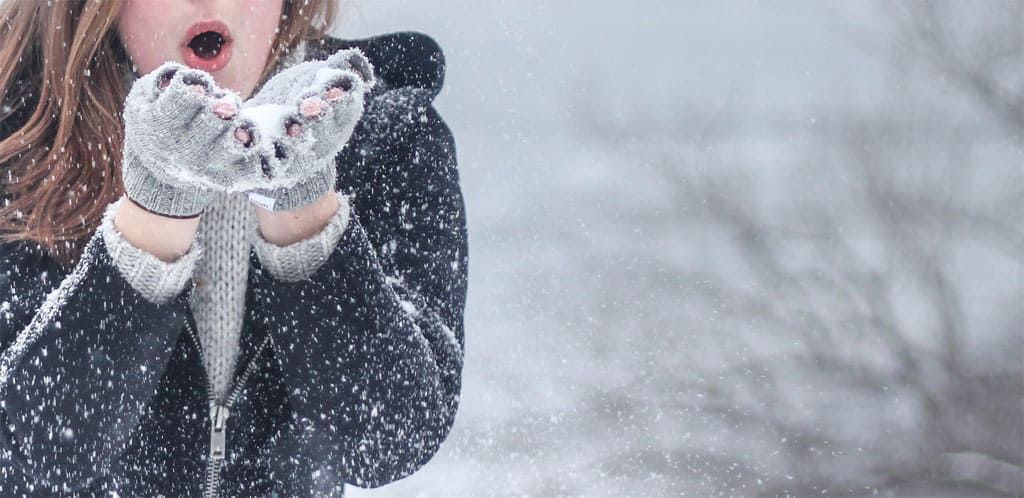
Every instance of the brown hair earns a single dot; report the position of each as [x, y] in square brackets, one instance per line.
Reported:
[62, 81]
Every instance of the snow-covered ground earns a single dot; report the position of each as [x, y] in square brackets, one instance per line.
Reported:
[603, 326]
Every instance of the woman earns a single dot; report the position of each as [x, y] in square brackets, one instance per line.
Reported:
[180, 334]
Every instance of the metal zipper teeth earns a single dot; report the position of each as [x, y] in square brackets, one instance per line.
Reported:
[213, 478]
[206, 376]
[237, 389]
[214, 465]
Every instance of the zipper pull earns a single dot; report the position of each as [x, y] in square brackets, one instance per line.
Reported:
[218, 430]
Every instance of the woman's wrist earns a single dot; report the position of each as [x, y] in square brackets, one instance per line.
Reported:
[165, 237]
[283, 228]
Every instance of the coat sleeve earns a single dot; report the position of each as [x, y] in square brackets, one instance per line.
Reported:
[82, 355]
[371, 344]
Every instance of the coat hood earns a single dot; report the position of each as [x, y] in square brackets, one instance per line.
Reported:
[404, 60]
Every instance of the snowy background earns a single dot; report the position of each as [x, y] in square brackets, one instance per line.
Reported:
[733, 248]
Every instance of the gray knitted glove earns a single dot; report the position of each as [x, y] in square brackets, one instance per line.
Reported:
[304, 116]
[184, 141]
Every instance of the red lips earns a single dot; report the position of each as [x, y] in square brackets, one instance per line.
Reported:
[208, 52]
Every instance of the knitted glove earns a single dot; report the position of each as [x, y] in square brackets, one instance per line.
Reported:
[304, 115]
[184, 141]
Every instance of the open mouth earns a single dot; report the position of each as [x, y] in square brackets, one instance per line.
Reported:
[207, 46]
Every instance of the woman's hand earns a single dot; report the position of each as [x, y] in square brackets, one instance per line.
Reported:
[184, 140]
[304, 116]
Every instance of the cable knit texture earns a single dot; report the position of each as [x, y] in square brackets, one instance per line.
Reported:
[218, 301]
[157, 280]
[298, 261]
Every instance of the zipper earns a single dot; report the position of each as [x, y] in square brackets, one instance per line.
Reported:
[219, 414]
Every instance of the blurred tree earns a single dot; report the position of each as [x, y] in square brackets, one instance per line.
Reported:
[868, 313]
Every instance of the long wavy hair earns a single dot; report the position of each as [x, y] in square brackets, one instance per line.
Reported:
[63, 86]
